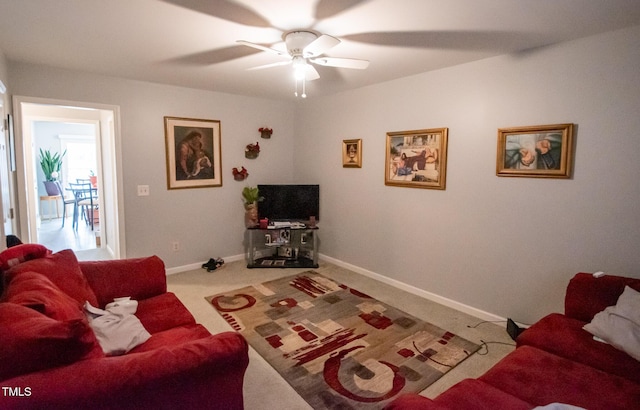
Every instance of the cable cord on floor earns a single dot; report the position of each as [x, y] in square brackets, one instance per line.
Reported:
[486, 321]
[485, 345]
[430, 358]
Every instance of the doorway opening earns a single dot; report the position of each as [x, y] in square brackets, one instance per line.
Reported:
[90, 136]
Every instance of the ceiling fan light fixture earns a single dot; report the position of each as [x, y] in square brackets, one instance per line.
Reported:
[299, 68]
[305, 47]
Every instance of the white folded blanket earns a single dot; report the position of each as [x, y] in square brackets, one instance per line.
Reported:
[117, 329]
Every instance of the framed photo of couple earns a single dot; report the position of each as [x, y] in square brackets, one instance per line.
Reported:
[417, 159]
[193, 153]
[541, 151]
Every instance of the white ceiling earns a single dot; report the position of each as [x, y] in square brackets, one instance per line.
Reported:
[192, 43]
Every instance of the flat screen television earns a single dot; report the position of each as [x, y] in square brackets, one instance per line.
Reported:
[289, 202]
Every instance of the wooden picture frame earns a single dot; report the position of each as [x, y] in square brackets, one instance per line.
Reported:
[540, 151]
[417, 159]
[194, 155]
[352, 153]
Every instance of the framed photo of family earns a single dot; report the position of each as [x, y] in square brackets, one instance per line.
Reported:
[417, 159]
[193, 153]
[352, 153]
[541, 151]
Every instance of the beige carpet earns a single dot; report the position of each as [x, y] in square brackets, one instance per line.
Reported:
[265, 389]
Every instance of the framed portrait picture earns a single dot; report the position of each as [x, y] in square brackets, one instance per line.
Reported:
[193, 153]
[352, 153]
[541, 151]
[417, 159]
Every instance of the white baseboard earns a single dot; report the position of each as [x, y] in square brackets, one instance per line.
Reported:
[481, 314]
[192, 266]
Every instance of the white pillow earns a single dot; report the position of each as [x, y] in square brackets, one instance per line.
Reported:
[619, 325]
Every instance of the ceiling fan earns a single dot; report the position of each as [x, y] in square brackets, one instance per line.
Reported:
[304, 47]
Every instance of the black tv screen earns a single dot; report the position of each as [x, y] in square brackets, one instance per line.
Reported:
[289, 202]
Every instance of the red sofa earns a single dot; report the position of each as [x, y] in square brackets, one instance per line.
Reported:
[556, 361]
[50, 357]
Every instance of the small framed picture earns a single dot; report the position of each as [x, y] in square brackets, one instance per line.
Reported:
[267, 239]
[542, 151]
[193, 153]
[352, 153]
[303, 238]
[417, 159]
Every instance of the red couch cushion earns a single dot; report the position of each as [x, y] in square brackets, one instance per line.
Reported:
[565, 337]
[469, 394]
[473, 394]
[21, 253]
[63, 270]
[540, 378]
[172, 337]
[36, 291]
[206, 373]
[163, 312]
[32, 341]
[139, 278]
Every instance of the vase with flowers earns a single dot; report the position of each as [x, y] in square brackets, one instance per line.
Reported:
[265, 132]
[252, 151]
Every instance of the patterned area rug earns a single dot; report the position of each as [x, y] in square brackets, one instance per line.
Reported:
[337, 347]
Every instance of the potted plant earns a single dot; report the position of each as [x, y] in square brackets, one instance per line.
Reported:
[252, 151]
[251, 196]
[51, 164]
[93, 179]
[265, 132]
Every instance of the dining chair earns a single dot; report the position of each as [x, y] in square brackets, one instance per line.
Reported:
[86, 202]
[65, 201]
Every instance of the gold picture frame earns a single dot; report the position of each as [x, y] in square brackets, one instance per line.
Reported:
[352, 153]
[540, 151]
[194, 156]
[417, 159]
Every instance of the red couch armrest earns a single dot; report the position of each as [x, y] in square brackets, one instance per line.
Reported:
[140, 278]
[587, 295]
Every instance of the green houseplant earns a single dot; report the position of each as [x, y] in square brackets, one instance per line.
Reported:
[251, 196]
[51, 164]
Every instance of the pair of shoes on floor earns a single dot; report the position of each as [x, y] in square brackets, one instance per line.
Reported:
[213, 264]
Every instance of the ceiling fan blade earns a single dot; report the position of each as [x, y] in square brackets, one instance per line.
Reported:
[260, 67]
[341, 62]
[310, 73]
[261, 47]
[330, 8]
[320, 45]
[226, 10]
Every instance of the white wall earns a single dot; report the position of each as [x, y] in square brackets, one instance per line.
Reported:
[503, 245]
[208, 222]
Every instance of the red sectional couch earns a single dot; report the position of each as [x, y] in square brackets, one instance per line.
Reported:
[556, 361]
[50, 357]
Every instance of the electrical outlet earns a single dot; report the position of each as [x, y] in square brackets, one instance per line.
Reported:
[175, 246]
[143, 190]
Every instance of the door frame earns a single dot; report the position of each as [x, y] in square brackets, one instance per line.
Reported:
[109, 149]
